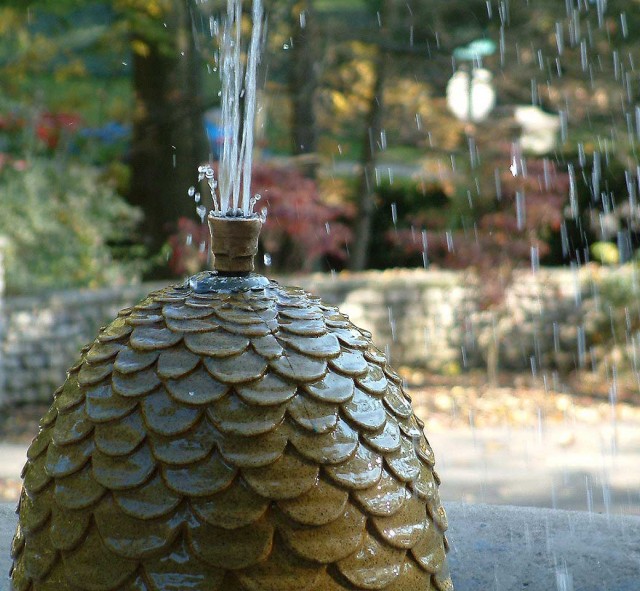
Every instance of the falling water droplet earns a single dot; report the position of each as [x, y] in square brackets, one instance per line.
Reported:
[582, 346]
[449, 238]
[514, 166]
[560, 38]
[253, 201]
[624, 25]
[425, 248]
[595, 177]
[573, 192]
[201, 210]
[589, 489]
[564, 579]
[564, 125]
[584, 56]
[535, 259]
[267, 259]
[582, 156]
[564, 239]
[392, 323]
[521, 212]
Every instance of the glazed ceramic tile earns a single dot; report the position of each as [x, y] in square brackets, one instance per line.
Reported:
[332, 388]
[252, 440]
[323, 503]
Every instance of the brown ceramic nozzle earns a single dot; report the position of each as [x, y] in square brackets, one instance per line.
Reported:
[234, 243]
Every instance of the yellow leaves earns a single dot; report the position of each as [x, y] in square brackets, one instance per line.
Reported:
[340, 102]
[140, 48]
[409, 95]
[152, 8]
[411, 114]
[348, 86]
[36, 50]
[10, 20]
[73, 69]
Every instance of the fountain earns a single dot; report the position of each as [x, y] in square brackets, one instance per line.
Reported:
[229, 433]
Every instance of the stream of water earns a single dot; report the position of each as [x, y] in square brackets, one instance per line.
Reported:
[239, 94]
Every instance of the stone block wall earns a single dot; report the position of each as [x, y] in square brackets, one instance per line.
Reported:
[429, 320]
[43, 335]
[413, 315]
[435, 319]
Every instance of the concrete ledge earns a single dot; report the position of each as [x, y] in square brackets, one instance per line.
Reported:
[500, 548]
[8, 520]
[503, 548]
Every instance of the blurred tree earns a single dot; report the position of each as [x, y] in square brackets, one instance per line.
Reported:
[303, 76]
[302, 232]
[577, 58]
[168, 133]
[168, 140]
[373, 141]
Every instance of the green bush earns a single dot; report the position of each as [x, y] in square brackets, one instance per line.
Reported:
[402, 209]
[66, 227]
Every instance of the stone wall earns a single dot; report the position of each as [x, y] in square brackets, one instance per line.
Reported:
[3, 243]
[437, 320]
[44, 334]
[424, 319]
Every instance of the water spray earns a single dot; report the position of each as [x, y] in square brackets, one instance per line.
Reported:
[239, 88]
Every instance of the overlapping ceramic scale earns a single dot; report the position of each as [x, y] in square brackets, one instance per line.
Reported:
[253, 440]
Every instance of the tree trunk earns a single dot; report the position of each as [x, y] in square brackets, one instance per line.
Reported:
[366, 185]
[303, 78]
[168, 135]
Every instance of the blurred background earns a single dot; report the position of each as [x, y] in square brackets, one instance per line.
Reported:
[460, 176]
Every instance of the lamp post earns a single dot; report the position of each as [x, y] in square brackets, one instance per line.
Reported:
[470, 93]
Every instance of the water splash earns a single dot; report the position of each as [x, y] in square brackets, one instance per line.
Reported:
[239, 97]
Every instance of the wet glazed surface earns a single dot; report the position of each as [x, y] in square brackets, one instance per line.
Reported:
[251, 440]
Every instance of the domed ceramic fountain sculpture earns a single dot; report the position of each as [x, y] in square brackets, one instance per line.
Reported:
[230, 434]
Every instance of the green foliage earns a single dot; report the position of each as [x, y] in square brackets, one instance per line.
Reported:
[619, 290]
[402, 210]
[618, 317]
[63, 61]
[65, 226]
[344, 5]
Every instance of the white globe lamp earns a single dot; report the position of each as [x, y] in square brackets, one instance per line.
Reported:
[471, 101]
